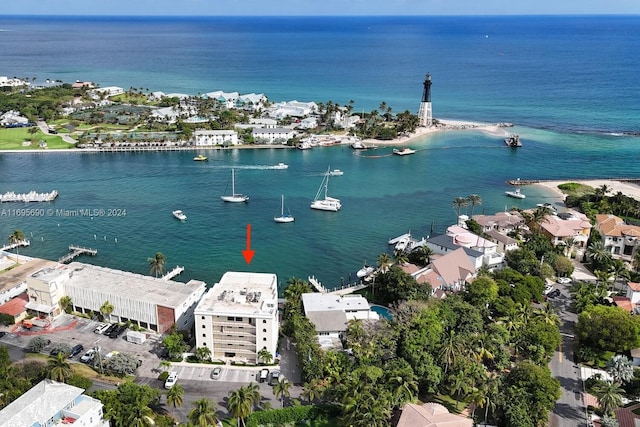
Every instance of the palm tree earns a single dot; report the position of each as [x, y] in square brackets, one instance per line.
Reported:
[58, 369]
[175, 395]
[548, 315]
[156, 264]
[14, 238]
[601, 191]
[405, 389]
[165, 365]
[492, 392]
[459, 203]
[204, 413]
[313, 390]
[620, 369]
[106, 309]
[141, 416]
[598, 253]
[609, 396]
[384, 262]
[242, 401]
[450, 348]
[281, 389]
[474, 199]
[265, 356]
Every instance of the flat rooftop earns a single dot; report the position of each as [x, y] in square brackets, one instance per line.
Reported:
[332, 302]
[18, 274]
[238, 293]
[134, 286]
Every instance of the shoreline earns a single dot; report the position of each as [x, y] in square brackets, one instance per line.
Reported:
[626, 188]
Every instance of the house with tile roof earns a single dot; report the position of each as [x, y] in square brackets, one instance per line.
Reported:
[622, 240]
[491, 258]
[504, 222]
[449, 272]
[430, 415]
[560, 228]
[16, 307]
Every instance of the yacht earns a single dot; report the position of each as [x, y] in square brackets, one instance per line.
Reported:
[336, 172]
[403, 152]
[513, 140]
[325, 203]
[515, 194]
[233, 197]
[284, 217]
[280, 166]
[178, 214]
[200, 158]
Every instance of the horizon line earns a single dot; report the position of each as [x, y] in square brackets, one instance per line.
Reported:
[607, 14]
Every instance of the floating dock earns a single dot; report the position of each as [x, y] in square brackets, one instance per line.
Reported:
[32, 196]
[76, 251]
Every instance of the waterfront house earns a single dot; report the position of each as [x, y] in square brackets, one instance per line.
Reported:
[431, 415]
[443, 244]
[80, 85]
[204, 138]
[50, 403]
[238, 317]
[272, 135]
[504, 242]
[449, 272]
[251, 101]
[330, 313]
[504, 222]
[491, 258]
[620, 239]
[563, 227]
[14, 82]
[292, 109]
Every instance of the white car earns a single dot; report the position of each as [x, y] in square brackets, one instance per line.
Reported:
[88, 356]
[548, 289]
[564, 280]
[171, 380]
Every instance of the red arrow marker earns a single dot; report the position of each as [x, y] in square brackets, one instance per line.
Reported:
[248, 253]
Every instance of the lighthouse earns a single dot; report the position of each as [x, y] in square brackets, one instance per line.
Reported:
[425, 114]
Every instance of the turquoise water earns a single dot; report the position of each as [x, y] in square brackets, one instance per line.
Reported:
[568, 83]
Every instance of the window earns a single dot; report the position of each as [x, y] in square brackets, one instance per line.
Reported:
[264, 339]
[264, 330]
[230, 318]
[203, 326]
[264, 321]
[204, 335]
[238, 319]
[202, 317]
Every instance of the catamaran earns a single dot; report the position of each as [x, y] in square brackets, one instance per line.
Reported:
[234, 198]
[283, 218]
[326, 203]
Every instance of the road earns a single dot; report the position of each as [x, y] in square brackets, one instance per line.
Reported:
[569, 410]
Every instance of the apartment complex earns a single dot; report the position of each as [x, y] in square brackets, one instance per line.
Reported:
[238, 317]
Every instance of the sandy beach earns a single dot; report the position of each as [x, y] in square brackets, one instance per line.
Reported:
[626, 188]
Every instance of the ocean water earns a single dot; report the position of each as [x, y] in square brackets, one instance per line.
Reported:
[569, 84]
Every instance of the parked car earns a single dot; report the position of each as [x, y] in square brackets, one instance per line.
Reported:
[101, 328]
[117, 331]
[75, 350]
[275, 377]
[109, 328]
[564, 280]
[88, 356]
[554, 294]
[548, 289]
[215, 374]
[111, 354]
[264, 374]
[172, 379]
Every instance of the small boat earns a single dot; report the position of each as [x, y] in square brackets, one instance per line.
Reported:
[513, 140]
[365, 271]
[200, 158]
[280, 166]
[305, 146]
[234, 198]
[283, 218]
[404, 152]
[178, 214]
[358, 145]
[336, 172]
[515, 194]
[325, 203]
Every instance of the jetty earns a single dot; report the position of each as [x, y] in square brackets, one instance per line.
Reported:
[173, 273]
[21, 243]
[76, 251]
[31, 196]
[538, 181]
[342, 290]
[317, 285]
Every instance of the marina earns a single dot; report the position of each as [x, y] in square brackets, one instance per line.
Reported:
[29, 197]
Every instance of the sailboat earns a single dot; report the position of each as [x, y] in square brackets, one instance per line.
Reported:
[327, 203]
[283, 217]
[234, 198]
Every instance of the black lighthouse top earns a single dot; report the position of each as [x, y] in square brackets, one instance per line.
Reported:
[426, 94]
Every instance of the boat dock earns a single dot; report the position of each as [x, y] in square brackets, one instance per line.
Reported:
[317, 285]
[173, 273]
[21, 243]
[342, 290]
[76, 251]
[32, 196]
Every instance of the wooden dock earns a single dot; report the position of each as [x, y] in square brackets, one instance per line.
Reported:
[173, 273]
[317, 285]
[76, 251]
[21, 243]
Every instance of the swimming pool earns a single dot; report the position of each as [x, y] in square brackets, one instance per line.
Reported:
[382, 311]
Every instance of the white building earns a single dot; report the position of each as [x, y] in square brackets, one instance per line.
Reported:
[215, 137]
[108, 91]
[228, 99]
[50, 403]
[238, 317]
[13, 117]
[272, 135]
[5, 81]
[330, 314]
[292, 109]
[151, 303]
[308, 123]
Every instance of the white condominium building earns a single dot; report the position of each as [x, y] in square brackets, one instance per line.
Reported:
[238, 317]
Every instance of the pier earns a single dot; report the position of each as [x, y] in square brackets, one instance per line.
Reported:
[317, 285]
[342, 290]
[21, 243]
[173, 273]
[538, 181]
[76, 251]
[32, 196]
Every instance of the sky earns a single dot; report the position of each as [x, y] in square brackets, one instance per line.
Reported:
[319, 7]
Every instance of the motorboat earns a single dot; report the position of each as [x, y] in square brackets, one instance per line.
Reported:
[283, 218]
[404, 152]
[178, 214]
[234, 197]
[513, 140]
[336, 172]
[200, 158]
[305, 146]
[325, 203]
[280, 166]
[515, 194]
[365, 271]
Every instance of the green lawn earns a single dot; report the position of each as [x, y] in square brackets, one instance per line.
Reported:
[12, 139]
